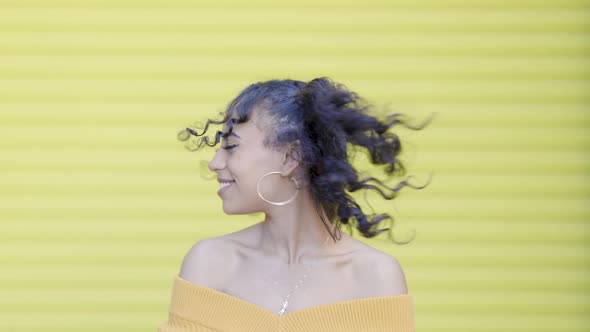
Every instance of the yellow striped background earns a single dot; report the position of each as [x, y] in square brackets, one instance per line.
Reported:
[99, 202]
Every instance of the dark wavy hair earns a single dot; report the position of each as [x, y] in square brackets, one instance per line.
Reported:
[329, 123]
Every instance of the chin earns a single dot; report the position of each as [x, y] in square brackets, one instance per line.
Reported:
[230, 210]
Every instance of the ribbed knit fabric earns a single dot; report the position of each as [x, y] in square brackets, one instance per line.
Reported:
[198, 308]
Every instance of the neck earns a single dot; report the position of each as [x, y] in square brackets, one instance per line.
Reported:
[295, 232]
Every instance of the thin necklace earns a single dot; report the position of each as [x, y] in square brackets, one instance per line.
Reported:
[299, 283]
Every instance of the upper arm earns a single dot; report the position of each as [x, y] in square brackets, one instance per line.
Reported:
[392, 277]
[204, 265]
[195, 256]
[383, 275]
[380, 274]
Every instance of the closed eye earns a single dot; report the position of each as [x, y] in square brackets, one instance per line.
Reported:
[229, 146]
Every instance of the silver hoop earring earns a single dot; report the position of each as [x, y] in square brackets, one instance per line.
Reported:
[277, 203]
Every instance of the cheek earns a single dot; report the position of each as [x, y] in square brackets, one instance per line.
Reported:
[247, 167]
[244, 197]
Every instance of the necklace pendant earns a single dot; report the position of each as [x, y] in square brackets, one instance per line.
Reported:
[285, 304]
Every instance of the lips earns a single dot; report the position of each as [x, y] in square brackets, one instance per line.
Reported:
[225, 184]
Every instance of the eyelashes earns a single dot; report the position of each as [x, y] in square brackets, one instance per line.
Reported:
[222, 135]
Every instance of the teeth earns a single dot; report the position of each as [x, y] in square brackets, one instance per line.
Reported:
[225, 184]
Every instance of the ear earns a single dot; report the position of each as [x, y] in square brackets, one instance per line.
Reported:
[291, 160]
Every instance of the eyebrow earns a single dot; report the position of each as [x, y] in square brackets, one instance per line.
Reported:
[230, 133]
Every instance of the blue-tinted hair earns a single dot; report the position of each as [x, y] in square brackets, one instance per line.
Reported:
[328, 122]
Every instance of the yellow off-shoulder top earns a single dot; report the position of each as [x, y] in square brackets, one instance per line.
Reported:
[197, 308]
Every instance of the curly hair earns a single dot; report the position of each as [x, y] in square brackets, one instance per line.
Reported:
[328, 122]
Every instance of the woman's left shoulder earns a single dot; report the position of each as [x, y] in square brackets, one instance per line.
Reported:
[381, 272]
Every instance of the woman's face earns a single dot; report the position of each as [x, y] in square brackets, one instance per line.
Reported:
[241, 161]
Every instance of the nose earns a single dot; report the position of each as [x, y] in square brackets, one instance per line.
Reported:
[218, 161]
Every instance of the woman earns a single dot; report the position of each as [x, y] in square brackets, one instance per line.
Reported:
[285, 149]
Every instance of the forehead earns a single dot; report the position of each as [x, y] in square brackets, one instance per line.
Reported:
[255, 123]
[244, 131]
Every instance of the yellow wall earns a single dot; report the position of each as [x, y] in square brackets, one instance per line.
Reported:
[99, 201]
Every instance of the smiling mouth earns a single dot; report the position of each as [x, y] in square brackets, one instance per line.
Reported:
[225, 184]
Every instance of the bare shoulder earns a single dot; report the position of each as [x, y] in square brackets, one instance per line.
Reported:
[207, 262]
[211, 261]
[380, 272]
